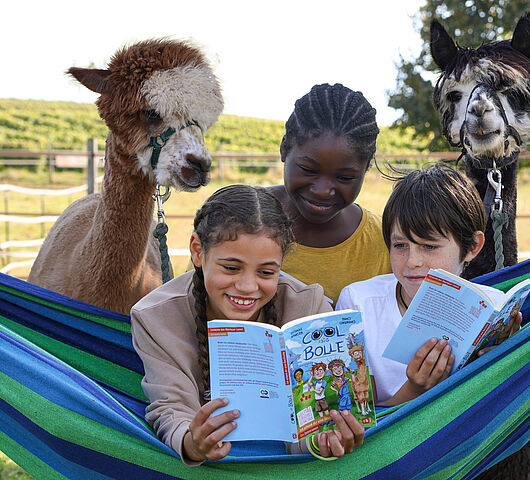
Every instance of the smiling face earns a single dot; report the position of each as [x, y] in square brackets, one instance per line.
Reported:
[239, 280]
[323, 176]
[337, 370]
[411, 260]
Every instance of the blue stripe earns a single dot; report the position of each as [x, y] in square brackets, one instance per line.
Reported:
[71, 320]
[54, 297]
[514, 442]
[69, 336]
[66, 387]
[72, 460]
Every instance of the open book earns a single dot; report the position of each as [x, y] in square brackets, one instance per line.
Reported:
[286, 380]
[464, 313]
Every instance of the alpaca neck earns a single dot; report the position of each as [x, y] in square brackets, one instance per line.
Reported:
[122, 221]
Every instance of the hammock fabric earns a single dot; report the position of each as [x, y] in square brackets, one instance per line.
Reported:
[71, 406]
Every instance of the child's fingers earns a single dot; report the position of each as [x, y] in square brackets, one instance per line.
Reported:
[438, 353]
[213, 443]
[323, 446]
[206, 410]
[448, 367]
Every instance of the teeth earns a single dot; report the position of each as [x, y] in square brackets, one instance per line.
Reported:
[241, 302]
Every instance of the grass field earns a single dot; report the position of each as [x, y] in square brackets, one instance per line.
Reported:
[373, 196]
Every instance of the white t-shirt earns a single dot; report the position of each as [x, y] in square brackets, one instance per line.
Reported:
[376, 300]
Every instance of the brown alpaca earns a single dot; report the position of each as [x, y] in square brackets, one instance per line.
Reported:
[101, 250]
[361, 381]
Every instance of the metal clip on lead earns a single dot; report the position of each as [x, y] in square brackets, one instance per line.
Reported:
[160, 198]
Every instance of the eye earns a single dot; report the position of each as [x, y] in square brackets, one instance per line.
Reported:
[398, 246]
[430, 247]
[151, 116]
[454, 96]
[268, 273]
[307, 169]
[346, 178]
[516, 99]
[316, 335]
[329, 332]
[230, 268]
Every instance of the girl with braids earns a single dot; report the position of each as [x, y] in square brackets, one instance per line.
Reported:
[240, 237]
[328, 144]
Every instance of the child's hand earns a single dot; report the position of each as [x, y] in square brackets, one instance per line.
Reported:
[337, 443]
[516, 325]
[204, 439]
[430, 365]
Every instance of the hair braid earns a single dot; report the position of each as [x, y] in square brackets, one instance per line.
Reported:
[335, 109]
[199, 293]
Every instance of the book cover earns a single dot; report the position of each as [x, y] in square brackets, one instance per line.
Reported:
[286, 381]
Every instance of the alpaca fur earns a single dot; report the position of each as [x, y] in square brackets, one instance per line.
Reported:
[101, 249]
[475, 87]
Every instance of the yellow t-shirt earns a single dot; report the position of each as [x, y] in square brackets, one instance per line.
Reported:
[362, 256]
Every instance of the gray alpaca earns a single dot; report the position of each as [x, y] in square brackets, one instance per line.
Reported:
[483, 96]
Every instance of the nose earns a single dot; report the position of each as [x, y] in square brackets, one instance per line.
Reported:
[200, 162]
[480, 104]
[414, 258]
[246, 283]
[323, 187]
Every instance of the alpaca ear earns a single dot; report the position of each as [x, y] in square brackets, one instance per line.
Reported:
[92, 78]
[521, 35]
[443, 49]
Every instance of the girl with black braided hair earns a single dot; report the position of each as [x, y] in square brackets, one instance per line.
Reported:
[327, 148]
[240, 237]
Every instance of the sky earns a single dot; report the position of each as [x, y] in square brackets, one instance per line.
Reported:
[266, 54]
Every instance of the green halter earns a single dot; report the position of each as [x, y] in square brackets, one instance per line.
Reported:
[164, 137]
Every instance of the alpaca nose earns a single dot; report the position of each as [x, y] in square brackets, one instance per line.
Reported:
[480, 107]
[200, 162]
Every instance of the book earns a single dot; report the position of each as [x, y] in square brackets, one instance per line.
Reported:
[467, 315]
[286, 380]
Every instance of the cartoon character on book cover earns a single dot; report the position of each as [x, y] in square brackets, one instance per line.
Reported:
[329, 371]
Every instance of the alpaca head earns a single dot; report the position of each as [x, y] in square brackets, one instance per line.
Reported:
[483, 94]
[148, 88]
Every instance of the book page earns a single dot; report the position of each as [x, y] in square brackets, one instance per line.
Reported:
[247, 366]
[441, 308]
[328, 369]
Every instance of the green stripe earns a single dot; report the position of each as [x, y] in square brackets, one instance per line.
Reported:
[506, 285]
[108, 322]
[33, 465]
[97, 367]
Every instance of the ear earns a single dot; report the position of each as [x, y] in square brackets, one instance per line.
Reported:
[92, 78]
[478, 243]
[196, 250]
[443, 49]
[521, 35]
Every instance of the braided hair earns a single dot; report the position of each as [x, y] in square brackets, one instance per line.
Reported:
[335, 109]
[231, 211]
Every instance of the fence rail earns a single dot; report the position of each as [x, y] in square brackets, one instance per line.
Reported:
[92, 159]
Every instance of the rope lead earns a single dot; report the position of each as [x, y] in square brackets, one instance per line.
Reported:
[159, 233]
[498, 219]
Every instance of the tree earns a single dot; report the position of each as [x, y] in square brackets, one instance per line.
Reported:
[471, 23]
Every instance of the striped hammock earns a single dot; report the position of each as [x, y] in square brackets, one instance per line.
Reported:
[71, 406]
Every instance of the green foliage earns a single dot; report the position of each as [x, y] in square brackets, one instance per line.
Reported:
[40, 125]
[470, 23]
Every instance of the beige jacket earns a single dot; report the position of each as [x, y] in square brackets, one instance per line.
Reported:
[164, 335]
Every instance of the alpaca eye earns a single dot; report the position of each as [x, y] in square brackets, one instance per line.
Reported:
[454, 96]
[151, 116]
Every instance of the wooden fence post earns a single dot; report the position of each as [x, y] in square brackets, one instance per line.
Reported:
[92, 164]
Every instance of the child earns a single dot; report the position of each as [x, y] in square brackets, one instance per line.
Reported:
[240, 237]
[328, 144]
[434, 218]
